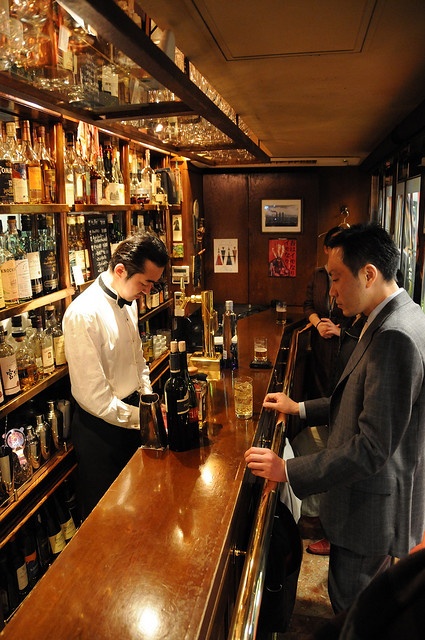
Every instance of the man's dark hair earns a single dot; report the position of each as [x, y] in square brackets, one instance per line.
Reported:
[135, 250]
[368, 244]
[329, 234]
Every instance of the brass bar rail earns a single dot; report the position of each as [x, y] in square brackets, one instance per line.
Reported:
[248, 601]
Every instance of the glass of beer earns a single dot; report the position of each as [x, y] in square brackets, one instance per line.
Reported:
[260, 349]
[280, 312]
[243, 396]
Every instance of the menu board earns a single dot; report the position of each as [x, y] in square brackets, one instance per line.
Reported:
[98, 242]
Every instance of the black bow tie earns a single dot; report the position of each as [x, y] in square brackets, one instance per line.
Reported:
[120, 301]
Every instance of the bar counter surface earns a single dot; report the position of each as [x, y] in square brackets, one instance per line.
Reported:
[148, 561]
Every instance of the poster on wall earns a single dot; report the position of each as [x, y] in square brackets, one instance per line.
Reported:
[282, 258]
[226, 255]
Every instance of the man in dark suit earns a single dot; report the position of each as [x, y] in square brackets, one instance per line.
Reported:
[372, 472]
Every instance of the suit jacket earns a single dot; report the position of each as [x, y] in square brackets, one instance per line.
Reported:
[373, 469]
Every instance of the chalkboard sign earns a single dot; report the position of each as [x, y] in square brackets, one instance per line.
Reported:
[98, 242]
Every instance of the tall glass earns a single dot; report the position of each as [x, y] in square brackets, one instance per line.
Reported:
[243, 396]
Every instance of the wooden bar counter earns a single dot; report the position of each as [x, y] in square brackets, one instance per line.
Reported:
[153, 559]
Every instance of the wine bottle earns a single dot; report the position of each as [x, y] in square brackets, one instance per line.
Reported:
[192, 421]
[28, 547]
[177, 404]
[42, 542]
[54, 531]
[65, 518]
[8, 586]
[19, 568]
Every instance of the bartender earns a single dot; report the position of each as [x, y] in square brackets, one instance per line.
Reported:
[106, 364]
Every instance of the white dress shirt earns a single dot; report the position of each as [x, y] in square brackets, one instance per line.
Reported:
[105, 356]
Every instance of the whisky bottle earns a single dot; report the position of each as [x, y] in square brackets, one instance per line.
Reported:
[6, 187]
[8, 272]
[19, 166]
[9, 368]
[14, 245]
[25, 359]
[35, 182]
[30, 245]
[47, 247]
[54, 328]
[48, 168]
[69, 168]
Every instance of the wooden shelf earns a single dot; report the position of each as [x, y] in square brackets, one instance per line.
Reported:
[21, 398]
[36, 303]
[32, 209]
[162, 307]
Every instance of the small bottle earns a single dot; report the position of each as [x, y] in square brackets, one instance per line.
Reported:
[229, 336]
[9, 368]
[177, 404]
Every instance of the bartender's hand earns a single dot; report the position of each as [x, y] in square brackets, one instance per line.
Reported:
[266, 464]
[282, 403]
[327, 328]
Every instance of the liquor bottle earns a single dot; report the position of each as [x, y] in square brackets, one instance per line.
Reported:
[54, 328]
[102, 191]
[229, 333]
[42, 344]
[177, 404]
[6, 186]
[19, 568]
[8, 586]
[54, 532]
[8, 272]
[47, 246]
[25, 359]
[114, 231]
[81, 183]
[55, 419]
[33, 447]
[14, 245]
[69, 168]
[9, 368]
[65, 518]
[192, 422]
[19, 166]
[35, 181]
[117, 194]
[42, 542]
[82, 245]
[48, 168]
[28, 547]
[43, 432]
[147, 179]
[107, 160]
[30, 245]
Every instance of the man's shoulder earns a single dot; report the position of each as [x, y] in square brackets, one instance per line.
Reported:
[86, 303]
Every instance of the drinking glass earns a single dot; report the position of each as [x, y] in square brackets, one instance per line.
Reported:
[260, 349]
[243, 396]
[280, 312]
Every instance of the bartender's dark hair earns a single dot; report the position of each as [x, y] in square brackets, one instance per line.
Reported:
[135, 250]
[368, 244]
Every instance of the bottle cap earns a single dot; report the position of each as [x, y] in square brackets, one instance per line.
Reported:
[229, 305]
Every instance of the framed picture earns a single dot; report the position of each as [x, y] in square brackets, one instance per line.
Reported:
[281, 216]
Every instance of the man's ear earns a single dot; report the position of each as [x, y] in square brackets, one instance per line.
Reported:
[120, 270]
[370, 272]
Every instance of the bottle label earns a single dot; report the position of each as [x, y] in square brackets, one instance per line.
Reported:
[34, 264]
[10, 282]
[183, 405]
[49, 271]
[6, 186]
[9, 374]
[68, 529]
[48, 359]
[24, 280]
[35, 184]
[20, 183]
[22, 577]
[57, 542]
[59, 350]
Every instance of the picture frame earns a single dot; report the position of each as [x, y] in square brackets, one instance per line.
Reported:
[281, 216]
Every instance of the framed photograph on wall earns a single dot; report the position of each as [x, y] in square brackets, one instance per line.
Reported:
[281, 216]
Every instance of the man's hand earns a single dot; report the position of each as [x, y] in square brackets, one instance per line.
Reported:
[266, 464]
[282, 403]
